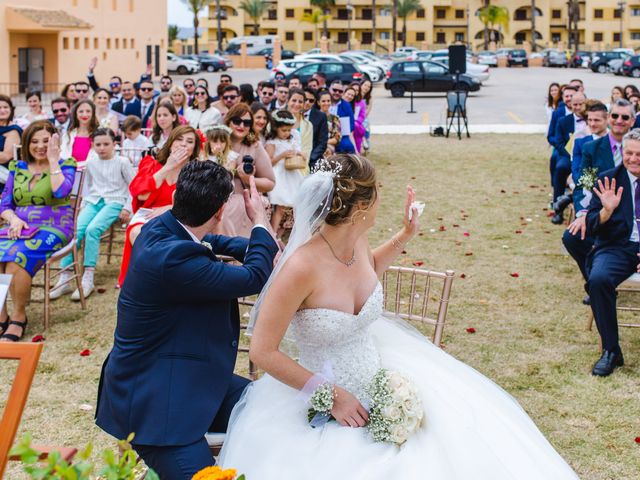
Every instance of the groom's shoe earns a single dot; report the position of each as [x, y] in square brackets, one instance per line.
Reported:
[607, 363]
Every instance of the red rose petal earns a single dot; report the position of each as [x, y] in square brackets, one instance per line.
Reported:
[637, 439]
[442, 228]
[101, 290]
[468, 254]
[515, 275]
[518, 231]
[418, 263]
[37, 339]
[455, 225]
[466, 234]
[550, 214]
[85, 353]
[471, 330]
[462, 275]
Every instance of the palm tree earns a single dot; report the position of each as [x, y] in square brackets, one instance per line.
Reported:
[404, 9]
[373, 26]
[394, 23]
[255, 9]
[491, 16]
[325, 6]
[533, 25]
[172, 33]
[315, 18]
[196, 6]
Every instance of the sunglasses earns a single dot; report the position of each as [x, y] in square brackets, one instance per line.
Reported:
[239, 121]
[146, 89]
[229, 97]
[310, 100]
[82, 90]
[189, 85]
[624, 117]
[335, 90]
[60, 110]
[114, 84]
[201, 94]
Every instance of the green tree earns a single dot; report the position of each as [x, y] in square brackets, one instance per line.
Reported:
[196, 6]
[491, 16]
[315, 18]
[404, 9]
[325, 6]
[255, 9]
[533, 26]
[172, 33]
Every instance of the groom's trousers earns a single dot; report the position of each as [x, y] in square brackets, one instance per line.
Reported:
[181, 462]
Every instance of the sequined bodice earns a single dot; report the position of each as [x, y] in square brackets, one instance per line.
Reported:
[342, 339]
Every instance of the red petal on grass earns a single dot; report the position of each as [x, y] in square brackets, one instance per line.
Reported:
[637, 439]
[455, 225]
[466, 234]
[515, 274]
[37, 339]
[442, 228]
[463, 275]
[85, 353]
[550, 214]
[471, 330]
[468, 254]
[516, 193]
[418, 263]
[518, 231]
[545, 209]
[101, 290]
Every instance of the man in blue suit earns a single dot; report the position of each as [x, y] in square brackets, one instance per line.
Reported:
[143, 107]
[169, 377]
[598, 154]
[613, 217]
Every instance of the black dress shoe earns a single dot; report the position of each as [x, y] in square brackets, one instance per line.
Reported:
[607, 363]
[586, 300]
[557, 219]
[562, 202]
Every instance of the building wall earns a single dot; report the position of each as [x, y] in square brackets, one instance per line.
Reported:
[441, 23]
[120, 33]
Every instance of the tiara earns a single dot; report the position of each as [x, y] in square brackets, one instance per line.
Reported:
[324, 166]
[289, 121]
[222, 127]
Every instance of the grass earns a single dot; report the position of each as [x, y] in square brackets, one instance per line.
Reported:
[530, 335]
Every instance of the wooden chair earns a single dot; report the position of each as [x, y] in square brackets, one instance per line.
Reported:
[632, 286]
[27, 355]
[114, 236]
[51, 272]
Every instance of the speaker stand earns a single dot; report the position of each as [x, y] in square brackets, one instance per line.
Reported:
[458, 115]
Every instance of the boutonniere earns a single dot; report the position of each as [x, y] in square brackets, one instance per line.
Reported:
[588, 178]
[208, 245]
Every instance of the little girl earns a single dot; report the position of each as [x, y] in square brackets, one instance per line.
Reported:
[218, 147]
[107, 178]
[283, 141]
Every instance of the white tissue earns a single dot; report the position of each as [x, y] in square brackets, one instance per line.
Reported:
[418, 206]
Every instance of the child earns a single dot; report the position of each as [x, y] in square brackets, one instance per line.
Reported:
[283, 142]
[135, 144]
[218, 147]
[107, 178]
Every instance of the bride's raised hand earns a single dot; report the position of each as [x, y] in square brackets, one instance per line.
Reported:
[411, 214]
[347, 410]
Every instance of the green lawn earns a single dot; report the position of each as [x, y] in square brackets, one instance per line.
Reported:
[530, 338]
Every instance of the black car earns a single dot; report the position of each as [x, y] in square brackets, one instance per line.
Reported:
[211, 63]
[284, 54]
[517, 57]
[343, 71]
[631, 66]
[600, 60]
[425, 76]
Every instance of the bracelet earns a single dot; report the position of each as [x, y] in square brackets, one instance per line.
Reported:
[396, 244]
[56, 172]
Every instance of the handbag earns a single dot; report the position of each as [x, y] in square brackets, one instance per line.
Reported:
[295, 163]
[25, 234]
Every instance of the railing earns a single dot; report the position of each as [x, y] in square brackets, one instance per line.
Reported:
[17, 91]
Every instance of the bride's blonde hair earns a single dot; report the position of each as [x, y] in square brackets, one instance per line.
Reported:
[353, 186]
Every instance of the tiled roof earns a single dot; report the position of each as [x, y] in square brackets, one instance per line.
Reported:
[51, 18]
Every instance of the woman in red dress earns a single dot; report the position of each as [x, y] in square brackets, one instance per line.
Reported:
[152, 188]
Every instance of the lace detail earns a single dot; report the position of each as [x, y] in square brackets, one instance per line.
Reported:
[342, 339]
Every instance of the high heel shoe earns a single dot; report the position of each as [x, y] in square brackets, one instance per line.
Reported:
[12, 337]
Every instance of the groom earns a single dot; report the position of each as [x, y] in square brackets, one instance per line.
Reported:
[169, 377]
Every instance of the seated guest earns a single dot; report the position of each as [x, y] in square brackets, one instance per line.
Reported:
[203, 115]
[69, 92]
[143, 107]
[77, 142]
[169, 376]
[265, 94]
[153, 186]
[302, 125]
[61, 119]
[294, 82]
[9, 133]
[596, 117]
[230, 97]
[82, 90]
[563, 109]
[320, 128]
[166, 82]
[165, 119]
[36, 205]
[312, 84]
[36, 112]
[106, 117]
[612, 220]
[134, 143]
[341, 109]
[321, 78]
[128, 98]
[189, 86]
[107, 178]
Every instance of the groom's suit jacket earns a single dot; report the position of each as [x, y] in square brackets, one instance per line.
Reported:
[176, 339]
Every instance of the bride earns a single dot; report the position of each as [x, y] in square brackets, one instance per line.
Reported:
[325, 296]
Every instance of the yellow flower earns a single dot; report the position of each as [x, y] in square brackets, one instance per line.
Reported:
[215, 473]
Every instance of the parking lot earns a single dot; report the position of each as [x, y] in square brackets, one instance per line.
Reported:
[512, 96]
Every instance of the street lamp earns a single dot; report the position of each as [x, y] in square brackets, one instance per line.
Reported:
[349, 10]
[621, 5]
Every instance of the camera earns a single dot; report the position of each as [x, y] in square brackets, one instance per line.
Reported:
[247, 164]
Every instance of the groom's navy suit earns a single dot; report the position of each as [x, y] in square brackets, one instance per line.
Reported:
[169, 377]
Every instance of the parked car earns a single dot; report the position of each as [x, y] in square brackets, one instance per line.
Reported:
[426, 76]
[615, 66]
[517, 56]
[600, 60]
[487, 57]
[555, 58]
[254, 44]
[181, 65]
[344, 71]
[406, 50]
[481, 72]
[210, 63]
[374, 73]
[288, 66]
[580, 59]
[631, 66]
[284, 54]
[503, 52]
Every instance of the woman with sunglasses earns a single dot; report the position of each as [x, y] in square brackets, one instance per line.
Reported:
[246, 143]
[203, 115]
[295, 105]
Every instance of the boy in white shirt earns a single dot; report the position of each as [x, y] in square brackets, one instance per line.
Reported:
[135, 144]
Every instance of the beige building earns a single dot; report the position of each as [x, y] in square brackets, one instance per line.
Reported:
[47, 43]
[437, 24]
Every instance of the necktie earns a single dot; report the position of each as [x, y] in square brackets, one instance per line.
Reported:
[637, 204]
[617, 155]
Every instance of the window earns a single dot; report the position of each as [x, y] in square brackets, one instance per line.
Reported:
[459, 37]
[635, 35]
[441, 13]
[520, 38]
[86, 43]
[459, 13]
[308, 36]
[133, 41]
[420, 13]
[433, 69]
[555, 13]
[385, 35]
[556, 37]
[96, 43]
[367, 14]
[440, 37]
[598, 13]
[597, 36]
[635, 12]
[367, 38]
[412, 67]
[65, 43]
[307, 11]
[343, 37]
[76, 43]
[114, 4]
[131, 5]
[117, 43]
[124, 43]
[617, 13]
[95, 4]
[400, 37]
[420, 37]
[272, 14]
[309, 69]
[289, 36]
[521, 14]
[108, 44]
[288, 13]
[616, 36]
[343, 14]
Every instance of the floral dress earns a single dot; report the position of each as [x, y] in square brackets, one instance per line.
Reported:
[41, 207]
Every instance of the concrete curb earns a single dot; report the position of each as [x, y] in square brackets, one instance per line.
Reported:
[489, 128]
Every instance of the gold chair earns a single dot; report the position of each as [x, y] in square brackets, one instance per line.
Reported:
[630, 285]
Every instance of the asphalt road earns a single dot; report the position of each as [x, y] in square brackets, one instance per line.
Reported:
[512, 96]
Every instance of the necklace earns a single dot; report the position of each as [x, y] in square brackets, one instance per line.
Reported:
[349, 262]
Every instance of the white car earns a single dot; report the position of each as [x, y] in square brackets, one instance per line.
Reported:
[181, 65]
[488, 58]
[288, 66]
[406, 50]
[480, 72]
[375, 73]
[362, 60]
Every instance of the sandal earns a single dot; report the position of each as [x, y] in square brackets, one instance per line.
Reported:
[12, 337]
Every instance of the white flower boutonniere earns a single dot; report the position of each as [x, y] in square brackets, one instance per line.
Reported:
[207, 244]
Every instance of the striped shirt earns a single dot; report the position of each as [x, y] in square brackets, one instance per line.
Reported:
[107, 179]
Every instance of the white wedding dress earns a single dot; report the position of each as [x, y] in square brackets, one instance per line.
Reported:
[472, 428]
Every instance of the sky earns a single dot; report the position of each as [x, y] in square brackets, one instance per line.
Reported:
[178, 13]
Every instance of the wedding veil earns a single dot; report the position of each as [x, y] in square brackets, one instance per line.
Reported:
[311, 206]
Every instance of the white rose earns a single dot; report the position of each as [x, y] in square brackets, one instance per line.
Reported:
[411, 424]
[399, 434]
[402, 392]
[391, 412]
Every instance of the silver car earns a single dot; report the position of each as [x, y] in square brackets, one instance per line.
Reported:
[488, 58]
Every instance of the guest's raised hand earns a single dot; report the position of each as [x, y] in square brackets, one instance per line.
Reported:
[579, 225]
[411, 214]
[177, 158]
[253, 204]
[608, 195]
[92, 64]
[347, 410]
[53, 151]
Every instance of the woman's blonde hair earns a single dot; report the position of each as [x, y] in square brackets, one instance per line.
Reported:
[179, 89]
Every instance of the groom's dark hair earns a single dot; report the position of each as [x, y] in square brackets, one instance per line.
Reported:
[201, 190]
